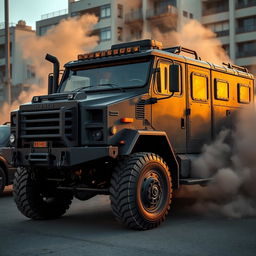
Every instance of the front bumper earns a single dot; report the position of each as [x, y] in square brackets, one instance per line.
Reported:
[58, 157]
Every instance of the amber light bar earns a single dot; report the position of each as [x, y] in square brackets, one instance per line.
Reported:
[100, 54]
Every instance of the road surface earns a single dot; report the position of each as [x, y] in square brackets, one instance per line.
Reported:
[89, 228]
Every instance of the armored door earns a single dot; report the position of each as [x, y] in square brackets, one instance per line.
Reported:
[199, 123]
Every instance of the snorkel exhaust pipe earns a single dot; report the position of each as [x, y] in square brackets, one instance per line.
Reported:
[53, 82]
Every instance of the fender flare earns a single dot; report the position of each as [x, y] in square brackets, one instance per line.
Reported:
[134, 142]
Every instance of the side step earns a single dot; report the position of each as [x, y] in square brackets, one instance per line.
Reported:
[195, 181]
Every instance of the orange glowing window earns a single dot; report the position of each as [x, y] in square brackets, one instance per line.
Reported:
[221, 90]
[243, 93]
[199, 87]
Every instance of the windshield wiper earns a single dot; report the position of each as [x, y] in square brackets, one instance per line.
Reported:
[112, 85]
[81, 88]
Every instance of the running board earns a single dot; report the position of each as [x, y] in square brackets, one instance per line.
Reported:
[100, 191]
[194, 181]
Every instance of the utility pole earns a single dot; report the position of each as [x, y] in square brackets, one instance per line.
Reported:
[7, 53]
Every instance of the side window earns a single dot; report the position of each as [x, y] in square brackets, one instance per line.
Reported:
[199, 87]
[221, 90]
[243, 93]
[164, 78]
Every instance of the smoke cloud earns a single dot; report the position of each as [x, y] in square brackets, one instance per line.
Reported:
[194, 36]
[230, 162]
[69, 38]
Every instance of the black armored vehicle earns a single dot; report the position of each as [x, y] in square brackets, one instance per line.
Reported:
[124, 122]
[6, 171]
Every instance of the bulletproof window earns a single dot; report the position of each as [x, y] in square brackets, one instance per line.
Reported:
[199, 87]
[244, 93]
[221, 90]
[163, 78]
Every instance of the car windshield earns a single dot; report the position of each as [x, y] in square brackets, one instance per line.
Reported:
[109, 76]
[4, 135]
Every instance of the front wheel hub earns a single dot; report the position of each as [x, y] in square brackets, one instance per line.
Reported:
[151, 193]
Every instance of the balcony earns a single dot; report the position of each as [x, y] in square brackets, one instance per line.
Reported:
[134, 17]
[162, 11]
[54, 14]
[243, 54]
[222, 33]
[245, 4]
[246, 29]
[215, 10]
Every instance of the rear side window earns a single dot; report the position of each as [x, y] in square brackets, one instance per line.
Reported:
[199, 87]
[221, 90]
[244, 93]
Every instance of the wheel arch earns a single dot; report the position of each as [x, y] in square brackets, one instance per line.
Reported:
[3, 165]
[152, 141]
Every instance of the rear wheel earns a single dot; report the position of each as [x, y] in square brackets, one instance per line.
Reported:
[2, 180]
[141, 191]
[37, 199]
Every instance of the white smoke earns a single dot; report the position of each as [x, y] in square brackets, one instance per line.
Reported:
[231, 163]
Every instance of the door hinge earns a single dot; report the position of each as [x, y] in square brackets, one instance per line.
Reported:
[188, 111]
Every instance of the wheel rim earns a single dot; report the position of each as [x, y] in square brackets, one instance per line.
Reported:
[153, 192]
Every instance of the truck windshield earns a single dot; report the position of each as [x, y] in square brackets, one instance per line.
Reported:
[108, 76]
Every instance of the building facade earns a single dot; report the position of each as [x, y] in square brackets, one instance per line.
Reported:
[22, 72]
[234, 22]
[121, 20]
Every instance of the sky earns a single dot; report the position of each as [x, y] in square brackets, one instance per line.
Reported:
[31, 10]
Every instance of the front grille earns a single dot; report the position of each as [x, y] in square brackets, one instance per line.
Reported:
[57, 126]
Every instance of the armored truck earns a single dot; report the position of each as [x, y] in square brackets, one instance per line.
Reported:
[125, 122]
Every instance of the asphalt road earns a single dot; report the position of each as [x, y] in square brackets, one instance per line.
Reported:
[89, 228]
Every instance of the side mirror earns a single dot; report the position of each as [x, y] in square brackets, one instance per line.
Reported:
[50, 84]
[174, 78]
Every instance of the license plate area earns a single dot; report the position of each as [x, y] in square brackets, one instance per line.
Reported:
[40, 144]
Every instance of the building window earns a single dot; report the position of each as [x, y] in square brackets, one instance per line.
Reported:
[105, 34]
[120, 34]
[220, 28]
[120, 11]
[31, 72]
[105, 11]
[246, 49]
[191, 16]
[243, 92]
[185, 13]
[221, 90]
[247, 24]
[43, 30]
[2, 50]
[199, 87]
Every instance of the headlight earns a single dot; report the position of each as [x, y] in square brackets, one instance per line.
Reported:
[97, 135]
[12, 138]
[113, 130]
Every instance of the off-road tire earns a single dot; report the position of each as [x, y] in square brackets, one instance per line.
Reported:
[2, 180]
[133, 182]
[30, 200]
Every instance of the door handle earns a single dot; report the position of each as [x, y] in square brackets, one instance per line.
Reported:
[182, 123]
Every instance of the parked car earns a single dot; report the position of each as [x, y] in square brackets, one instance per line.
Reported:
[6, 171]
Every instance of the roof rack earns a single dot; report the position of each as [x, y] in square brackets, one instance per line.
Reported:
[179, 49]
[233, 66]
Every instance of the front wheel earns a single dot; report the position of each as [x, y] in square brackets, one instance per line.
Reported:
[141, 191]
[37, 199]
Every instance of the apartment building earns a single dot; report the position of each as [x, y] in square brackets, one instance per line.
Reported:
[234, 22]
[22, 72]
[124, 20]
